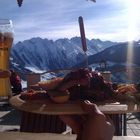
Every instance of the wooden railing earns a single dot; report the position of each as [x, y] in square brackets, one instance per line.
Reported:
[33, 78]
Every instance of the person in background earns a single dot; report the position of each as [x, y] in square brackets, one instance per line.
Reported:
[15, 81]
[4, 73]
[93, 126]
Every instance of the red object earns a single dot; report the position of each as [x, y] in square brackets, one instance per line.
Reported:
[15, 83]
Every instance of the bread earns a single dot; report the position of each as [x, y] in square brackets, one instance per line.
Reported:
[50, 84]
[59, 96]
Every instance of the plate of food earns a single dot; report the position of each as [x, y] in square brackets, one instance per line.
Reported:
[64, 95]
[41, 103]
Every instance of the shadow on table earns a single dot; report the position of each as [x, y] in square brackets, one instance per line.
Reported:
[137, 115]
[133, 116]
[12, 117]
[5, 107]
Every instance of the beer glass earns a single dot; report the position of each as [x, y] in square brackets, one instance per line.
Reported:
[6, 40]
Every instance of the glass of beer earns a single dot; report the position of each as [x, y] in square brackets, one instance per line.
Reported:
[6, 40]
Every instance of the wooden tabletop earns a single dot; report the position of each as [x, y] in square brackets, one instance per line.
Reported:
[50, 136]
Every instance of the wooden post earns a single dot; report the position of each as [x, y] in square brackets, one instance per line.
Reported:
[106, 75]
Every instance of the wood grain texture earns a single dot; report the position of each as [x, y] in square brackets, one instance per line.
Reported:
[48, 107]
[50, 136]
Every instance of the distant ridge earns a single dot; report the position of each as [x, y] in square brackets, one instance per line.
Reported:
[44, 54]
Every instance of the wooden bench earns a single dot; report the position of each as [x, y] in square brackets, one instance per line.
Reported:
[39, 123]
[50, 136]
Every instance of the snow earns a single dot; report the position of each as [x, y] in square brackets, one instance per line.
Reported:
[34, 70]
[24, 84]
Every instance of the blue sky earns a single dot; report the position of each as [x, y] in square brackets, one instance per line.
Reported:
[115, 20]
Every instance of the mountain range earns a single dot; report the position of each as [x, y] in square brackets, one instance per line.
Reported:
[37, 54]
[44, 54]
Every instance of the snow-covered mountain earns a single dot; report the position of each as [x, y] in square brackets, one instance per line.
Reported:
[123, 63]
[119, 54]
[38, 55]
[44, 54]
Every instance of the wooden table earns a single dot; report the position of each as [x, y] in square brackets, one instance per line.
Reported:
[50, 108]
[50, 136]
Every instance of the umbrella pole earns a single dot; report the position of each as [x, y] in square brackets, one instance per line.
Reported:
[83, 39]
